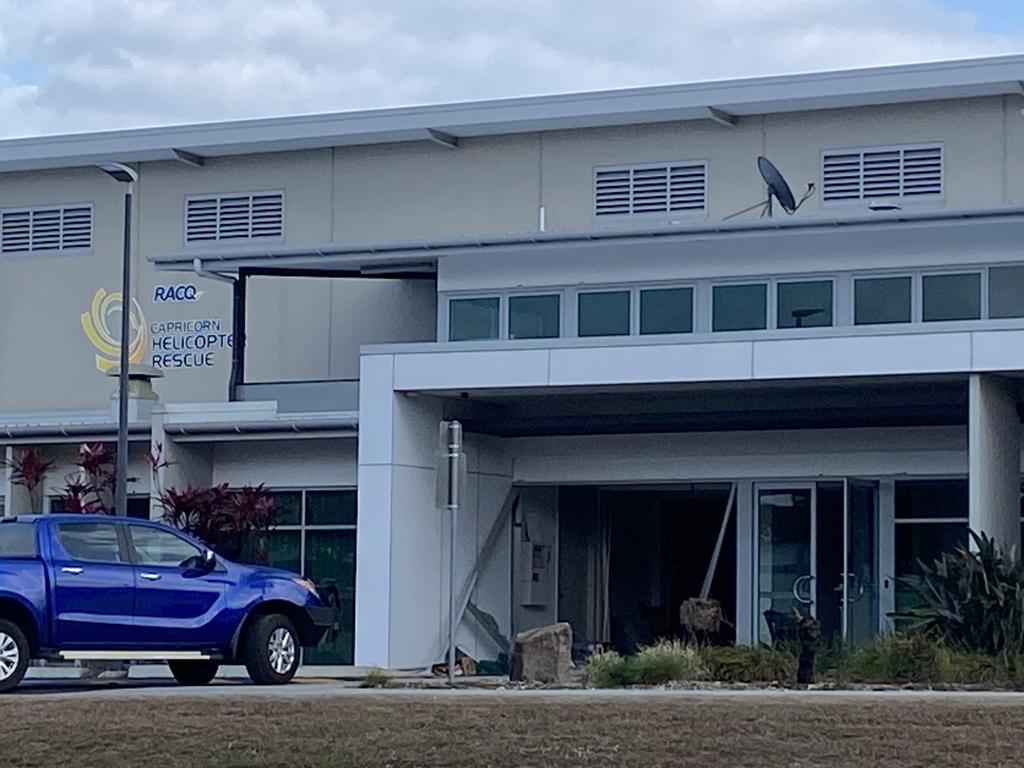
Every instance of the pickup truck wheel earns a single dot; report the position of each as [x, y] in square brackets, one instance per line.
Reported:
[14, 655]
[194, 672]
[271, 650]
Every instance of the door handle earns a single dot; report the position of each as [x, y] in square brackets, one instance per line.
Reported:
[150, 576]
[72, 569]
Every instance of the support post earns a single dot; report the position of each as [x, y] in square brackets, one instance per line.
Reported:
[121, 480]
[453, 468]
[994, 445]
[238, 298]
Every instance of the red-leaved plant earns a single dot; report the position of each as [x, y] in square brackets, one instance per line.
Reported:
[91, 491]
[221, 516]
[29, 468]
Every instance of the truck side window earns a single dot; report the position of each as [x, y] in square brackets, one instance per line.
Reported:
[90, 542]
[161, 548]
[17, 540]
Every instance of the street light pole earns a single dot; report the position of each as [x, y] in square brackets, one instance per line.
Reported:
[125, 175]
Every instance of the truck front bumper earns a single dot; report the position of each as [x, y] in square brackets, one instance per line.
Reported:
[322, 619]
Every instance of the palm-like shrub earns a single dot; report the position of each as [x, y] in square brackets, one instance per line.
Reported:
[972, 600]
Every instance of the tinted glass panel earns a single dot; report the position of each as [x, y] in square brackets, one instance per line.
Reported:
[471, 319]
[283, 549]
[287, 508]
[1006, 292]
[666, 310]
[534, 317]
[331, 507]
[90, 542]
[156, 547]
[805, 305]
[951, 297]
[881, 300]
[604, 314]
[923, 542]
[931, 498]
[17, 540]
[740, 307]
[331, 556]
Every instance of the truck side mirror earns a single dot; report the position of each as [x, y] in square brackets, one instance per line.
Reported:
[209, 560]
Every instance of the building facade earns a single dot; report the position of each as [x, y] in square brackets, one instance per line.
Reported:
[663, 395]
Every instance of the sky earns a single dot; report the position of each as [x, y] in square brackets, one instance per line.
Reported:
[79, 65]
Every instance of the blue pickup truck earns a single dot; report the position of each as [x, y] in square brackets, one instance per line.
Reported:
[92, 587]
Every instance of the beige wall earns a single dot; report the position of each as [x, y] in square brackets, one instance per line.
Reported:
[302, 329]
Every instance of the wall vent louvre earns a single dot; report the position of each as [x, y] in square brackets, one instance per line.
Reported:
[46, 229]
[650, 189]
[234, 217]
[871, 174]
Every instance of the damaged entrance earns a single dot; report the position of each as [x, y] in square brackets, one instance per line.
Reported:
[617, 562]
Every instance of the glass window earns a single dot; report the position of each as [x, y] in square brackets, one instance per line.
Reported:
[881, 300]
[331, 507]
[951, 297]
[90, 542]
[287, 508]
[666, 310]
[805, 304]
[740, 307]
[283, 549]
[1006, 292]
[472, 319]
[534, 317]
[161, 548]
[604, 313]
[331, 564]
[17, 540]
[923, 499]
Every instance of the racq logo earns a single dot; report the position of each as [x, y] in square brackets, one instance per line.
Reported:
[185, 293]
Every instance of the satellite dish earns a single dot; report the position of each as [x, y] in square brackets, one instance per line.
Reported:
[778, 189]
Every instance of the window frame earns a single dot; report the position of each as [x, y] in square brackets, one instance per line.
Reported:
[832, 280]
[502, 311]
[302, 527]
[630, 289]
[981, 271]
[506, 319]
[915, 298]
[666, 286]
[769, 303]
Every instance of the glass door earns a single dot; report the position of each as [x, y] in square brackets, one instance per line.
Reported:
[786, 557]
[861, 585]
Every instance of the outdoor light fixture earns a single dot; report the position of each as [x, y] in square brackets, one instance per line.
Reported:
[124, 175]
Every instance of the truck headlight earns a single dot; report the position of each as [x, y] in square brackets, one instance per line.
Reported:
[307, 585]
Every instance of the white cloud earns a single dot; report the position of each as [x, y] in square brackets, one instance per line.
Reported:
[68, 65]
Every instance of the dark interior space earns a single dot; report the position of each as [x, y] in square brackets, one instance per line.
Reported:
[658, 548]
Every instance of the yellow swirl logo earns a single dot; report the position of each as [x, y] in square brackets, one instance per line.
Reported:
[96, 324]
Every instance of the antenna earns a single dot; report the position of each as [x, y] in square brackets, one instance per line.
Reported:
[778, 189]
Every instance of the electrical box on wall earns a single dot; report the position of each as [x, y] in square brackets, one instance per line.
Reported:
[535, 574]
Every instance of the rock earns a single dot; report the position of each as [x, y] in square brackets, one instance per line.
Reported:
[541, 655]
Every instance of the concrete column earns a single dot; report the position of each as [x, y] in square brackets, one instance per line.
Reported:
[6, 486]
[994, 445]
[182, 464]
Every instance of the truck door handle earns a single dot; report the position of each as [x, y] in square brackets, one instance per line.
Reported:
[72, 569]
[150, 576]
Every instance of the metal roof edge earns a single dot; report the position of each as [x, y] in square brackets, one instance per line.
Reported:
[428, 251]
[757, 95]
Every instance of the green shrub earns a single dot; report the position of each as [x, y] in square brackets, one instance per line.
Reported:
[607, 669]
[900, 659]
[375, 678]
[971, 601]
[668, 661]
[739, 664]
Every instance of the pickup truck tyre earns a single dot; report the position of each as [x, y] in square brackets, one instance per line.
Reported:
[271, 650]
[193, 672]
[14, 655]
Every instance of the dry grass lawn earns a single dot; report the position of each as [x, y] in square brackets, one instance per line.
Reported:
[511, 730]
